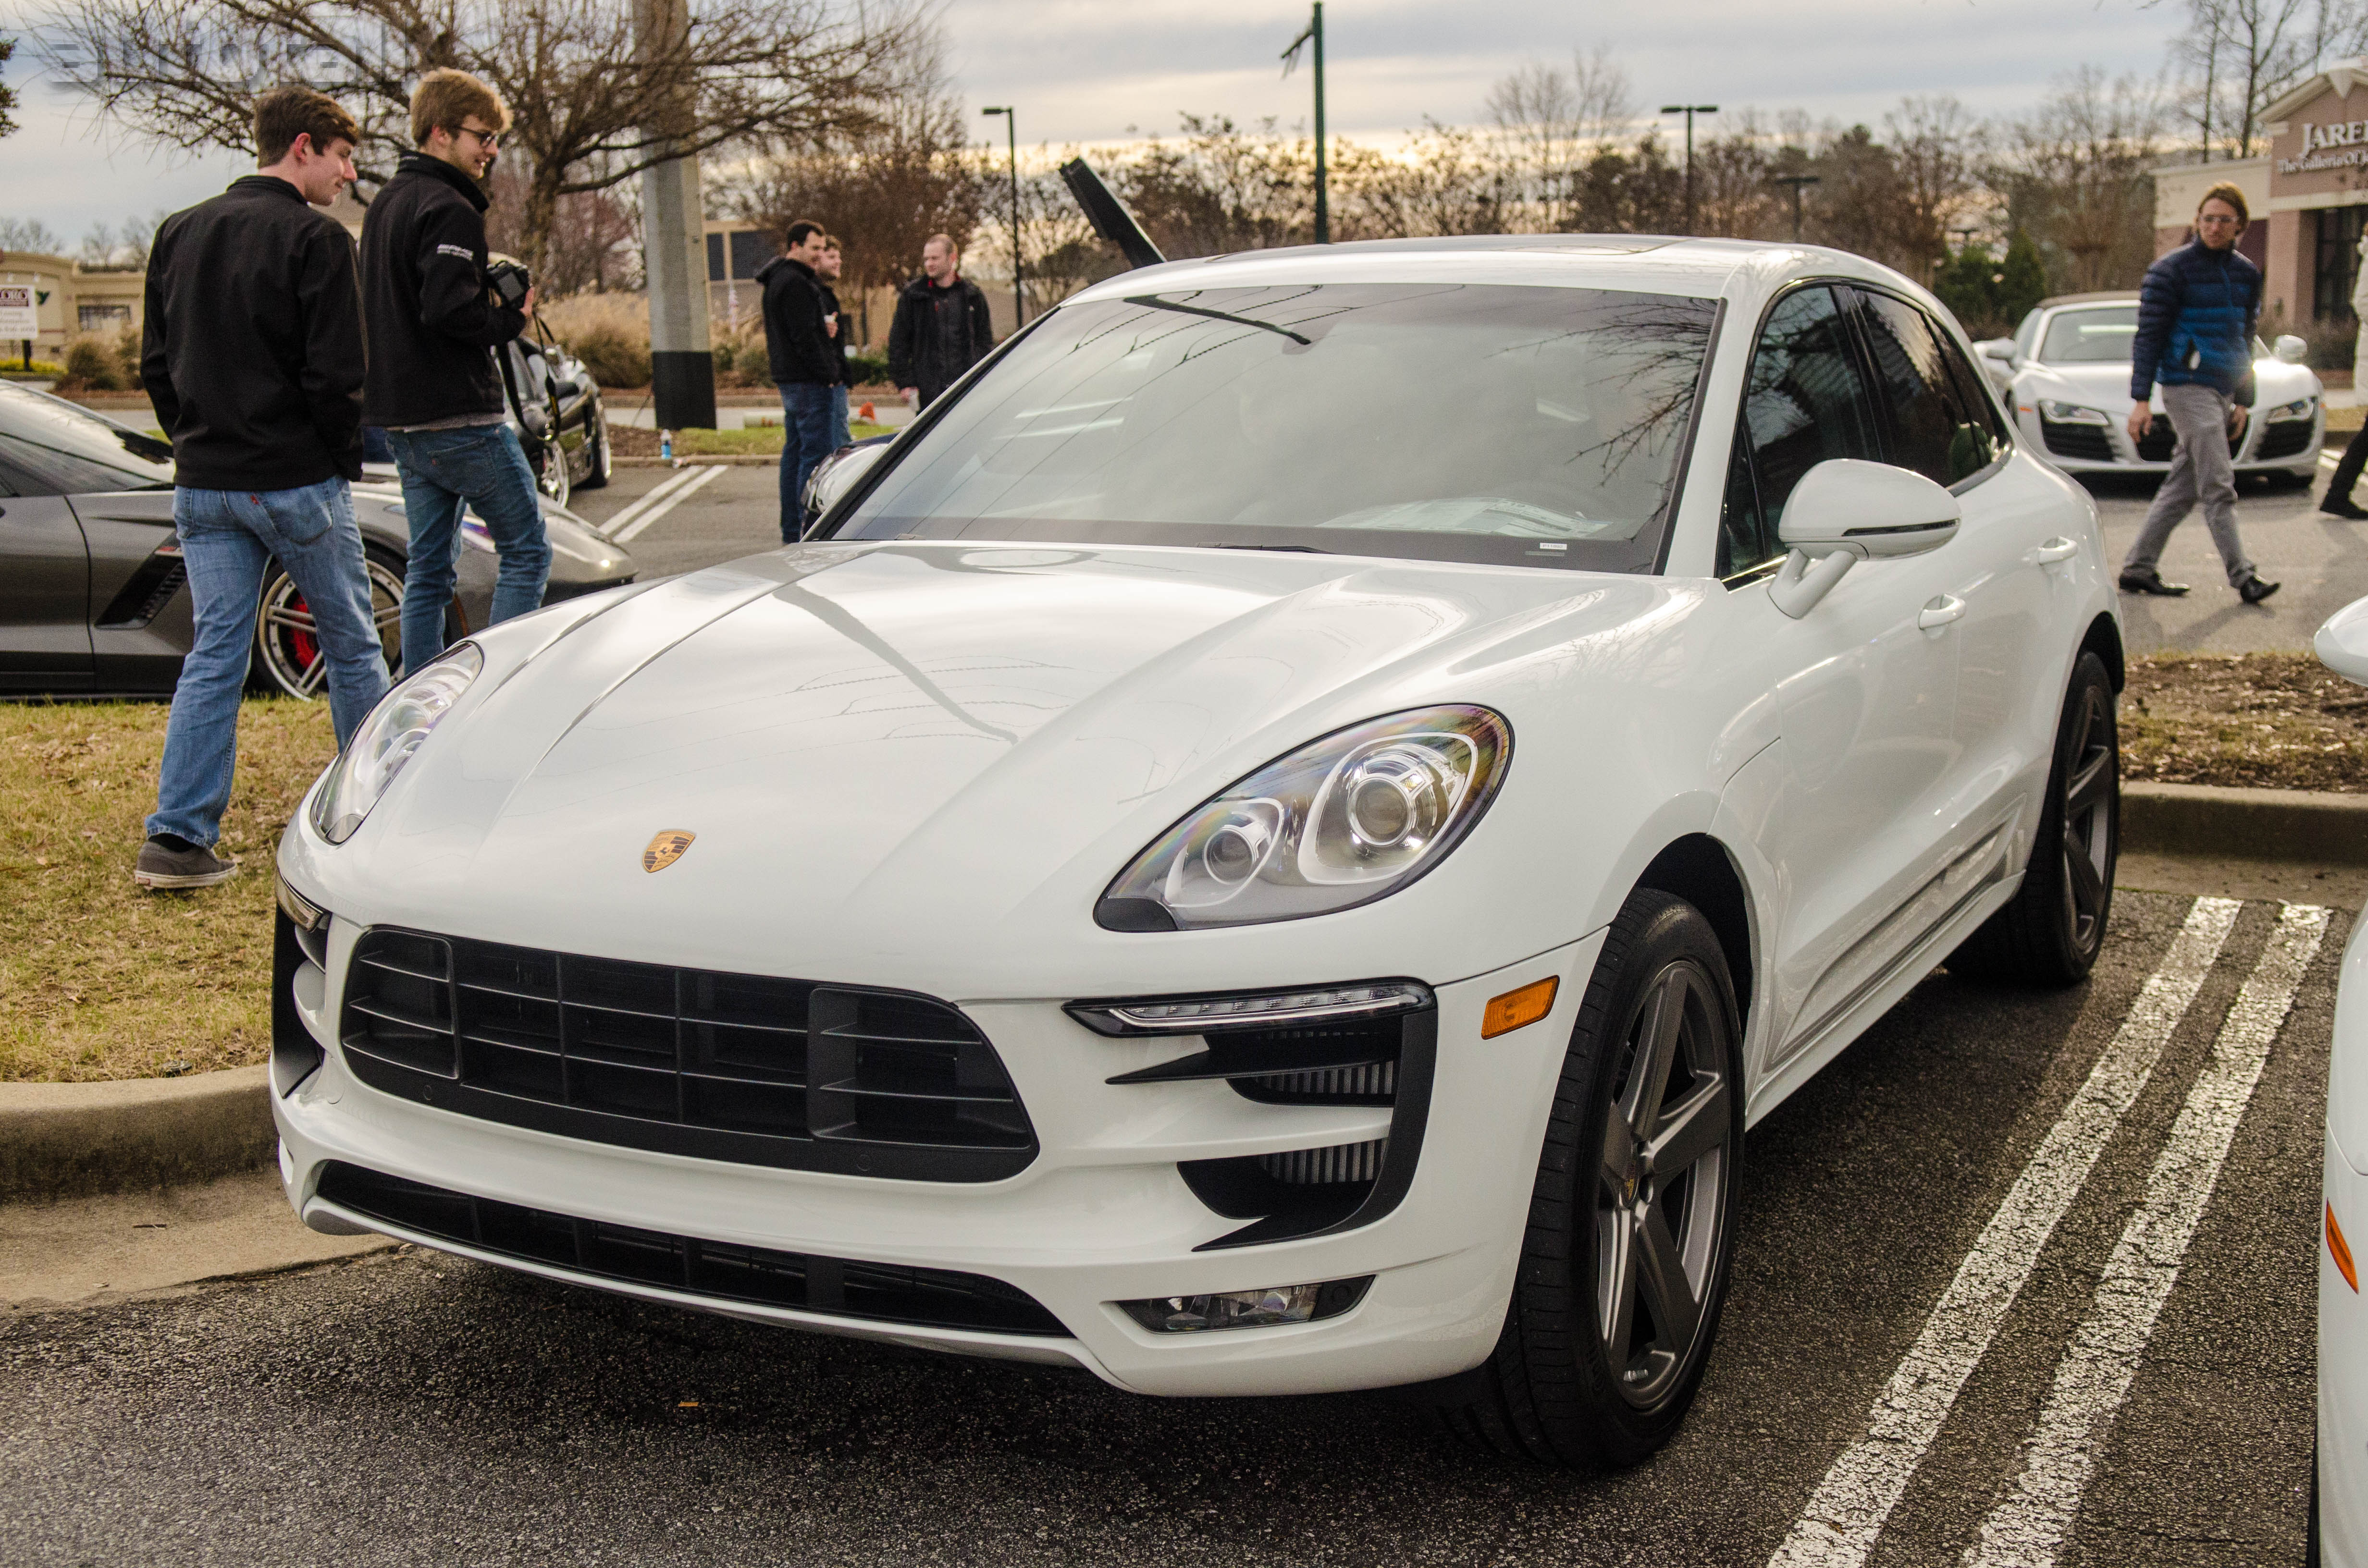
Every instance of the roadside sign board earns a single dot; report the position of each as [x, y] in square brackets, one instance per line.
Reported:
[19, 318]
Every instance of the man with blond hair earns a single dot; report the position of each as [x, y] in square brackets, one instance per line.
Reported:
[941, 327]
[433, 385]
[251, 349]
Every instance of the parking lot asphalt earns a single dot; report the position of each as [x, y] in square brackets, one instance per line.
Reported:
[412, 1408]
[2321, 561]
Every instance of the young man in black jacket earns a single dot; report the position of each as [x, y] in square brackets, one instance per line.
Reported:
[826, 270]
[433, 384]
[251, 352]
[941, 328]
[805, 362]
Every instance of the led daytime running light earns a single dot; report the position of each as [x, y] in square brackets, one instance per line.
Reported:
[1200, 1015]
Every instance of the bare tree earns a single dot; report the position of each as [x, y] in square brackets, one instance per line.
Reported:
[2074, 175]
[7, 92]
[1445, 182]
[1549, 124]
[2236, 56]
[594, 100]
[29, 236]
[1936, 149]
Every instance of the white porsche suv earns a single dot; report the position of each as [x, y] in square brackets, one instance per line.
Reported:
[1272, 841]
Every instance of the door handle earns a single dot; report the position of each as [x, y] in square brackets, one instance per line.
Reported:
[2054, 550]
[1939, 611]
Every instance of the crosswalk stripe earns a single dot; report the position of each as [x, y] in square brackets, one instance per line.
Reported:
[632, 531]
[657, 493]
[1851, 1506]
[2026, 1528]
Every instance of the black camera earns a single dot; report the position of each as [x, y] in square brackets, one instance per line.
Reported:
[510, 282]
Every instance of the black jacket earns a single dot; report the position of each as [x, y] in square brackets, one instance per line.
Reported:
[431, 321]
[251, 350]
[939, 334]
[797, 345]
[835, 345]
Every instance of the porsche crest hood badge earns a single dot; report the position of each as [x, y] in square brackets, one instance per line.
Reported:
[666, 849]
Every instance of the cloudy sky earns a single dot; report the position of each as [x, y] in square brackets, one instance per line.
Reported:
[1088, 70]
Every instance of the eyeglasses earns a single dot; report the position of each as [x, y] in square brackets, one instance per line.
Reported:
[2204, 218]
[490, 141]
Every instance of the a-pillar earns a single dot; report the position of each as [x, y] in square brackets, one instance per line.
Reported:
[682, 366]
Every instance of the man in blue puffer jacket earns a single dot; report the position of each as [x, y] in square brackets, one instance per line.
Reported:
[2196, 311]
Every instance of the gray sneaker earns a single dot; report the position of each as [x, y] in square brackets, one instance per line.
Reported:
[161, 869]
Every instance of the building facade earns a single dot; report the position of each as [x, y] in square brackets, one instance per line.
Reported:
[2308, 195]
[70, 300]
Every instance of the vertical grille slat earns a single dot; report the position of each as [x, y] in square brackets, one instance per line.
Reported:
[1322, 1167]
[748, 1067]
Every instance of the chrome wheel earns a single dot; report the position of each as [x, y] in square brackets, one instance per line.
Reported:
[1659, 1187]
[2091, 777]
[289, 646]
[551, 478]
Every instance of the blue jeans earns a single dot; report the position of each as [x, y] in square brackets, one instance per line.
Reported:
[838, 433]
[807, 438]
[228, 537]
[445, 471]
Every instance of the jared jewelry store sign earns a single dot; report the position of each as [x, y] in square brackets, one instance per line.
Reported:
[2339, 144]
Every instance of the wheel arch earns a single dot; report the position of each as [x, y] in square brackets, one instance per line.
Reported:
[2103, 639]
[1698, 868]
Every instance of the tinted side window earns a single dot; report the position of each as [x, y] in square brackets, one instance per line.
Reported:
[1743, 543]
[1933, 430]
[1805, 402]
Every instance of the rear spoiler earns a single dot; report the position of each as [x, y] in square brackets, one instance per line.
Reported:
[1108, 215]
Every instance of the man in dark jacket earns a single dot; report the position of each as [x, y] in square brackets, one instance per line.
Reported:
[433, 384]
[805, 362]
[251, 352]
[826, 270]
[2196, 312]
[941, 328]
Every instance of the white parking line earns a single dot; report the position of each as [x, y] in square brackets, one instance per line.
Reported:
[1850, 1506]
[2024, 1530]
[658, 492]
[654, 509]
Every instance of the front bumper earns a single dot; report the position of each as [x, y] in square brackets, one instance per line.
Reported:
[2284, 446]
[1100, 1216]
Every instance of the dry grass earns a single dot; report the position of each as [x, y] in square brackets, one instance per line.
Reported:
[97, 979]
[2275, 720]
[749, 441]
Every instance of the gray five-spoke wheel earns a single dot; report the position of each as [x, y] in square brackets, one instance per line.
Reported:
[1661, 1182]
[2089, 778]
[289, 645]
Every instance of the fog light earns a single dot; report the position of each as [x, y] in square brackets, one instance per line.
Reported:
[1248, 1309]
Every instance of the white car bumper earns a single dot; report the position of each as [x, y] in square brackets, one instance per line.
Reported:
[2343, 1375]
[1100, 1215]
[2284, 446]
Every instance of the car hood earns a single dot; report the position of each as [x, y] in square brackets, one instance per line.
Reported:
[2107, 387]
[580, 551]
[884, 749]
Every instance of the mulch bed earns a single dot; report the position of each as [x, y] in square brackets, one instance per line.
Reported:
[2270, 720]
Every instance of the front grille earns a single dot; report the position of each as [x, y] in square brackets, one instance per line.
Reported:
[722, 1271]
[745, 1068]
[1318, 1167]
[2284, 438]
[2088, 443]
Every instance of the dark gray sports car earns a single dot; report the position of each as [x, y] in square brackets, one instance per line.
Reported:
[93, 596]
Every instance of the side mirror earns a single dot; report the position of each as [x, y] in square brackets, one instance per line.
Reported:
[835, 476]
[1844, 511]
[1998, 348]
[2342, 643]
[2290, 349]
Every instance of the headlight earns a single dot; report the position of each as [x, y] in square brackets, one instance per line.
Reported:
[1338, 823]
[387, 738]
[2072, 412]
[2300, 408]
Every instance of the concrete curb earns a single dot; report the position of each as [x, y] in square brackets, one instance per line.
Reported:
[67, 1139]
[2253, 824]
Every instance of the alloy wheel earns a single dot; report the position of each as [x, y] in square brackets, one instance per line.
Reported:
[553, 480]
[1658, 1209]
[289, 645]
[2090, 776]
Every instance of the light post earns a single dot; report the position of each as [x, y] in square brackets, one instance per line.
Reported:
[1796, 182]
[1011, 127]
[1690, 111]
[1315, 35]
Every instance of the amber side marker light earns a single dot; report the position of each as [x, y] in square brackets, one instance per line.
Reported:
[1504, 1014]
[2339, 1251]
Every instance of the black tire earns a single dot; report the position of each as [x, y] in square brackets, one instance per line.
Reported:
[2310, 1529]
[2052, 931]
[1560, 1387]
[603, 463]
[284, 659]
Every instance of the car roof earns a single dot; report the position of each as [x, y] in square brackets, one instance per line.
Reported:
[1662, 264]
[2108, 297]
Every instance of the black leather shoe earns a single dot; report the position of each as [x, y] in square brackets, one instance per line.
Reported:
[2254, 590]
[2150, 581]
[162, 868]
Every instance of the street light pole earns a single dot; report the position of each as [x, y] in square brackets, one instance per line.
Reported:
[1011, 127]
[1690, 111]
[1315, 35]
[1796, 182]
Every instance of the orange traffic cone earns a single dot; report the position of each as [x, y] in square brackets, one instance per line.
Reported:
[866, 414]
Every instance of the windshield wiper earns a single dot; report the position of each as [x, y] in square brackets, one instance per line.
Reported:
[1154, 302]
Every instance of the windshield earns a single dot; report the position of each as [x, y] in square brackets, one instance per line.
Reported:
[2101, 337]
[1530, 425]
[63, 448]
